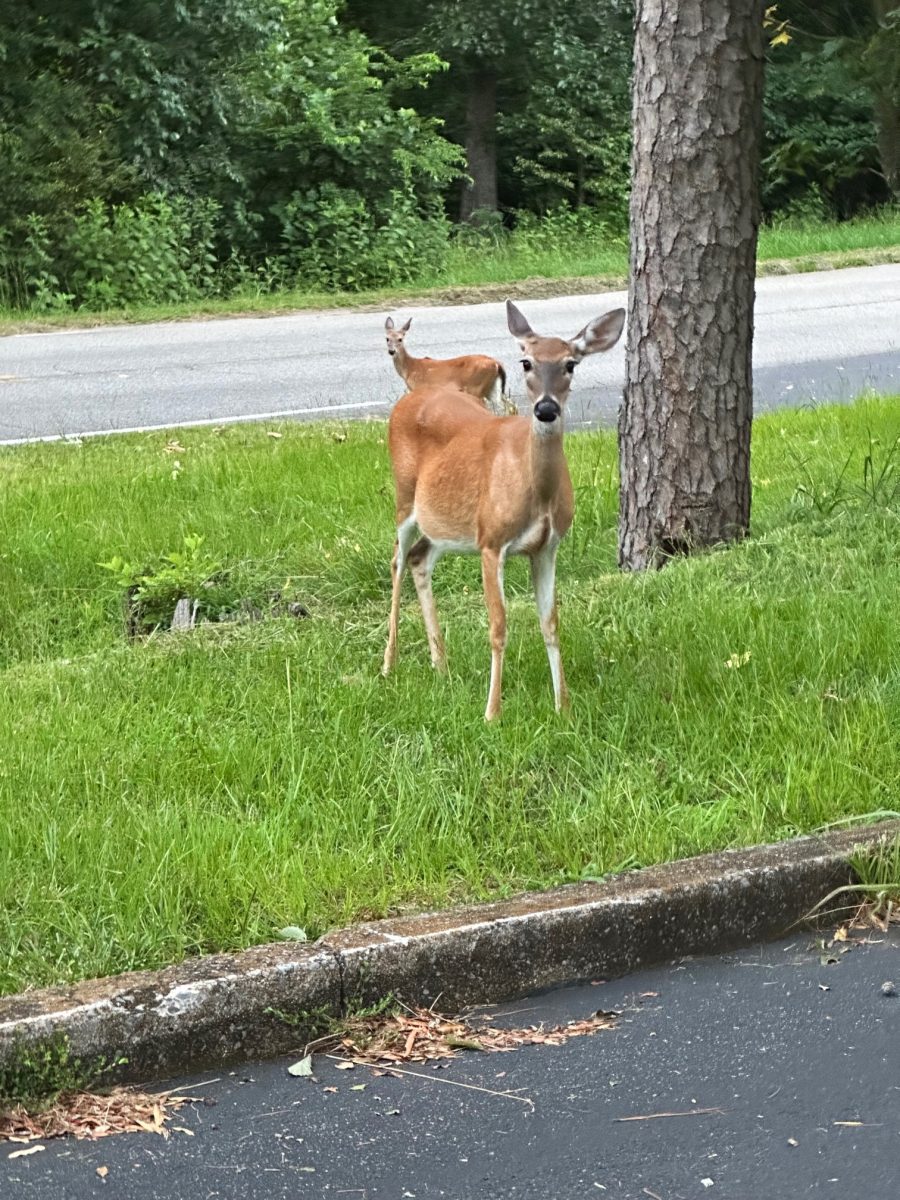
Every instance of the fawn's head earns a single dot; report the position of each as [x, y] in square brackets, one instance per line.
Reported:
[549, 362]
[394, 335]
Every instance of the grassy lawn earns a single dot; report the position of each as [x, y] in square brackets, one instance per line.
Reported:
[198, 791]
[548, 261]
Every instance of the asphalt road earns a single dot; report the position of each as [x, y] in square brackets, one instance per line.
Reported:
[801, 1062]
[819, 337]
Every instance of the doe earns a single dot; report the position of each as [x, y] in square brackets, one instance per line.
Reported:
[475, 483]
[476, 374]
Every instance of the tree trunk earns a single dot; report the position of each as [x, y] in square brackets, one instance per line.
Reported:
[684, 427]
[884, 82]
[481, 144]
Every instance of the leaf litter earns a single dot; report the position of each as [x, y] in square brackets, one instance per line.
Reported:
[420, 1035]
[85, 1115]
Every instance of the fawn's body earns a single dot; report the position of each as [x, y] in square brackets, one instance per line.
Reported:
[477, 375]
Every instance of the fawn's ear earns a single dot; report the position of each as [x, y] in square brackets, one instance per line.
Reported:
[403, 328]
[517, 324]
[600, 334]
[389, 323]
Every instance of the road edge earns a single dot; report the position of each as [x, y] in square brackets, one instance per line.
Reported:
[274, 998]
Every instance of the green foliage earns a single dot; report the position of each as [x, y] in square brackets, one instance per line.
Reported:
[204, 120]
[331, 239]
[820, 158]
[571, 139]
[157, 249]
[154, 591]
[878, 868]
[35, 1074]
[835, 96]
[159, 152]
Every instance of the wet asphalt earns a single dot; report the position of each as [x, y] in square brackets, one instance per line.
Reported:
[799, 1062]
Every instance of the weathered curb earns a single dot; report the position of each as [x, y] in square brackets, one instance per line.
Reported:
[227, 1007]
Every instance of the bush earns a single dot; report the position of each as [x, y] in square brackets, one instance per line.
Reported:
[331, 238]
[564, 230]
[154, 251]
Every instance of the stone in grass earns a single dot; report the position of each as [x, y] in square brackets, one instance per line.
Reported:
[888, 988]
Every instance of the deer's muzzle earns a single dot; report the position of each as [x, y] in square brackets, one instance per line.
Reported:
[547, 409]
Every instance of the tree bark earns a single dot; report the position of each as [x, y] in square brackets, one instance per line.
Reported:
[684, 426]
[481, 144]
[884, 81]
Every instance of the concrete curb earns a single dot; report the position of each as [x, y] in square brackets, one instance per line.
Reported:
[274, 998]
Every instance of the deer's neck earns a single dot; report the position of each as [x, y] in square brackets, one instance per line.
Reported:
[548, 460]
[403, 362]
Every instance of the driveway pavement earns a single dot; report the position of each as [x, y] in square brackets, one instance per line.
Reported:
[784, 1074]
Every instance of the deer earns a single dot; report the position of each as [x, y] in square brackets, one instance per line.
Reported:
[473, 482]
[476, 374]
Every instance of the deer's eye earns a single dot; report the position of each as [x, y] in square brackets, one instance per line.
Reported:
[570, 366]
[527, 364]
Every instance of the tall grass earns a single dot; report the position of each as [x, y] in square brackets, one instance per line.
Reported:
[198, 791]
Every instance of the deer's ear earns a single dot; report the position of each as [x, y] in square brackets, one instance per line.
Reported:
[516, 323]
[600, 334]
[389, 323]
[406, 326]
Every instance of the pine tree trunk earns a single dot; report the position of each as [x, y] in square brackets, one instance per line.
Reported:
[885, 87]
[684, 427]
[887, 130]
[481, 144]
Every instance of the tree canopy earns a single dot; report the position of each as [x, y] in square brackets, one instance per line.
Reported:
[334, 142]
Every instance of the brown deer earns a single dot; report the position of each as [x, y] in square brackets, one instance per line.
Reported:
[481, 484]
[476, 374]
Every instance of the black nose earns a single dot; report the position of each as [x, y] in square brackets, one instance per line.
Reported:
[391, 351]
[547, 409]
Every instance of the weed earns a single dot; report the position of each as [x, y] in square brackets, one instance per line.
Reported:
[878, 870]
[35, 1074]
[153, 592]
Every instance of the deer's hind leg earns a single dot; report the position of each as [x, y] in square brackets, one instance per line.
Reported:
[406, 534]
[422, 559]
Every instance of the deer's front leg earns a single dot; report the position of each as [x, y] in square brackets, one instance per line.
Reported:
[543, 576]
[492, 578]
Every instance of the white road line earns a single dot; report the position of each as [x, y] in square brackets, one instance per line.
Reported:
[175, 423]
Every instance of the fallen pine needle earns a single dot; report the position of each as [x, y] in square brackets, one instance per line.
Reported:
[185, 1086]
[440, 1079]
[691, 1112]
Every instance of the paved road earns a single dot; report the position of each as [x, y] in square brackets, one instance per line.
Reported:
[785, 1047]
[823, 336]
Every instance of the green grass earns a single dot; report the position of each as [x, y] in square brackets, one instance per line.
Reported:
[196, 792]
[544, 261]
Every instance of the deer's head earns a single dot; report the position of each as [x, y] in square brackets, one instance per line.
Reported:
[394, 335]
[548, 363]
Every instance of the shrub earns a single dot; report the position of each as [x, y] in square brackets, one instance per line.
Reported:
[332, 238]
